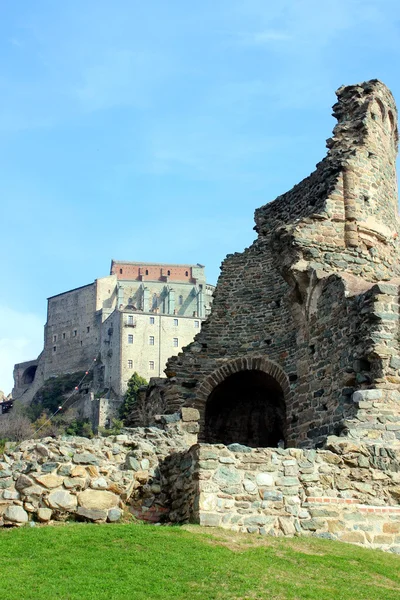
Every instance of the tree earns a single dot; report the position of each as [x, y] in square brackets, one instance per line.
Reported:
[134, 384]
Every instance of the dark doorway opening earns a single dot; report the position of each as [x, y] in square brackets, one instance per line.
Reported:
[248, 408]
[29, 375]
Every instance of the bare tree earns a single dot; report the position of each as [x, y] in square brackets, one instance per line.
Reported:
[15, 427]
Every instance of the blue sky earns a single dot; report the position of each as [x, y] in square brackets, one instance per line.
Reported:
[152, 130]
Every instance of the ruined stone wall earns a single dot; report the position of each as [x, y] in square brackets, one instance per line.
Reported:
[299, 303]
[343, 217]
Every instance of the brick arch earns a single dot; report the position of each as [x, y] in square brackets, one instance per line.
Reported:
[254, 363]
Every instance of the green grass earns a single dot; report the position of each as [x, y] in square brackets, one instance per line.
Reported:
[135, 562]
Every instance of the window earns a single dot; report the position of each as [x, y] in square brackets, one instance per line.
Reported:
[180, 300]
[197, 324]
[130, 364]
[54, 338]
[81, 342]
[120, 271]
[54, 348]
[187, 273]
[75, 332]
[175, 342]
[130, 339]
[151, 340]
[168, 273]
[147, 271]
[176, 322]
[64, 336]
[87, 329]
[130, 320]
[151, 320]
[151, 365]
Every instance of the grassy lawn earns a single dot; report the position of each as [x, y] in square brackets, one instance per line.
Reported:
[135, 562]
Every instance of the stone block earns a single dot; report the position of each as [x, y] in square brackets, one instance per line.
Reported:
[15, 514]
[366, 395]
[383, 539]
[210, 519]
[99, 484]
[62, 501]
[79, 472]
[227, 460]
[10, 495]
[239, 448]
[92, 514]
[287, 481]
[273, 496]
[85, 458]
[287, 526]
[114, 514]
[23, 481]
[50, 481]
[264, 480]
[256, 520]
[249, 486]
[97, 499]
[391, 527]
[44, 514]
[226, 475]
[190, 414]
[395, 362]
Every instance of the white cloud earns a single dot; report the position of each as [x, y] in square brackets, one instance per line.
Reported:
[21, 338]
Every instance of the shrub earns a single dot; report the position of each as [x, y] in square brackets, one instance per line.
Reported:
[134, 384]
[81, 427]
[115, 429]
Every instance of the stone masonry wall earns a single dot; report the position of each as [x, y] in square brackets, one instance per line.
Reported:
[347, 492]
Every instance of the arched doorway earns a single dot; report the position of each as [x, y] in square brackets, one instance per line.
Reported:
[247, 407]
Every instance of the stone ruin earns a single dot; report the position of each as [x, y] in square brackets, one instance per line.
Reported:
[285, 410]
[303, 338]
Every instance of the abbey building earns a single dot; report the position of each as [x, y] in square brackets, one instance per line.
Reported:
[132, 320]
